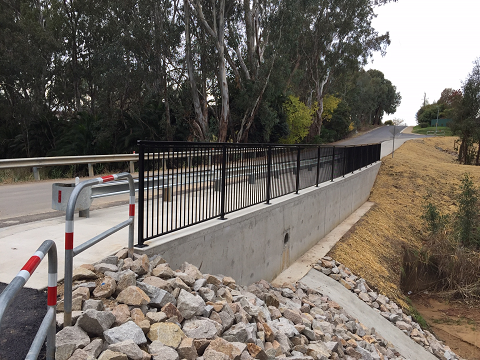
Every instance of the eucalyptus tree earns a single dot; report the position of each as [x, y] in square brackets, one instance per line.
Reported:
[338, 36]
[26, 47]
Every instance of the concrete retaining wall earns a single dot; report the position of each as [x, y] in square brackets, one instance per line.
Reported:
[263, 240]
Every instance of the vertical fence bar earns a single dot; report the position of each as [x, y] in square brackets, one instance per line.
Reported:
[224, 177]
[318, 165]
[141, 193]
[269, 172]
[333, 161]
[297, 180]
[344, 170]
[361, 157]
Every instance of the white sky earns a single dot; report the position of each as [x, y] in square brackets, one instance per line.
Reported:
[433, 46]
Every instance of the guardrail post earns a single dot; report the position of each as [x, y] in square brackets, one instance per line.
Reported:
[36, 174]
[90, 170]
[224, 179]
[333, 161]
[297, 178]
[132, 167]
[269, 172]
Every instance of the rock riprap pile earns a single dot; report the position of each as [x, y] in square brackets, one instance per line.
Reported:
[141, 309]
[387, 308]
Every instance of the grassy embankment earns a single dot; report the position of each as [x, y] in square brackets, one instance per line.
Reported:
[425, 131]
[374, 248]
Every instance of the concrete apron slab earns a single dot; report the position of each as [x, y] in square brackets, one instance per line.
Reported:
[303, 265]
[366, 315]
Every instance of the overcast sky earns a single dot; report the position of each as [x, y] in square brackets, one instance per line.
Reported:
[433, 46]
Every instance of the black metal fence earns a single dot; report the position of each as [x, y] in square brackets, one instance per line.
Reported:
[188, 183]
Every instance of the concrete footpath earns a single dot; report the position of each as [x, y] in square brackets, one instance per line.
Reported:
[19, 243]
[366, 315]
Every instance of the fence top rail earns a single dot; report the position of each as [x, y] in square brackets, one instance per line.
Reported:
[65, 160]
[183, 144]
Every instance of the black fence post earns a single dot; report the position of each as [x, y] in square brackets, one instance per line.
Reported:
[318, 165]
[297, 180]
[344, 161]
[333, 161]
[269, 172]
[224, 179]
[141, 192]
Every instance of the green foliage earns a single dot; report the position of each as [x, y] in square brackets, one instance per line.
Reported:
[435, 221]
[465, 222]
[430, 112]
[416, 316]
[467, 216]
[339, 125]
[388, 122]
[299, 119]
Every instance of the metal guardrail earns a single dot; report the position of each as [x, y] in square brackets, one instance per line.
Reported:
[38, 162]
[70, 251]
[436, 132]
[210, 180]
[47, 328]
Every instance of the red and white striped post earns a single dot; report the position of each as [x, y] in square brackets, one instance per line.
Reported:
[47, 329]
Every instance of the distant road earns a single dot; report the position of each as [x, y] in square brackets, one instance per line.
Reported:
[381, 134]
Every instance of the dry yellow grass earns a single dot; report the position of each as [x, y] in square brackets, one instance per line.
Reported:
[373, 249]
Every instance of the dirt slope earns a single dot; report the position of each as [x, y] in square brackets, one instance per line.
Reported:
[373, 249]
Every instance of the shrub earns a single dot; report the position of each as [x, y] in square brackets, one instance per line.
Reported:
[466, 218]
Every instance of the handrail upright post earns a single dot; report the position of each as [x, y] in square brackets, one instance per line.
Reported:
[69, 225]
[269, 171]
[141, 191]
[344, 160]
[297, 179]
[52, 299]
[47, 328]
[333, 161]
[224, 178]
[318, 165]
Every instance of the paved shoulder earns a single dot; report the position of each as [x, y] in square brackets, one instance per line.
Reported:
[366, 315]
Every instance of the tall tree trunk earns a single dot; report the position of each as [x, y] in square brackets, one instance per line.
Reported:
[225, 112]
[316, 127]
[199, 124]
[218, 35]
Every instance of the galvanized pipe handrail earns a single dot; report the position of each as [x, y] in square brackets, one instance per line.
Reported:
[65, 160]
[47, 328]
[70, 251]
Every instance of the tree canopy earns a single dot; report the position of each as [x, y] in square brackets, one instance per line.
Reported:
[83, 77]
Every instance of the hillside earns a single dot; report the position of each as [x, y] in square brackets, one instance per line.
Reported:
[374, 248]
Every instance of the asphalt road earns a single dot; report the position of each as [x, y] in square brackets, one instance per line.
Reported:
[381, 134]
[32, 201]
